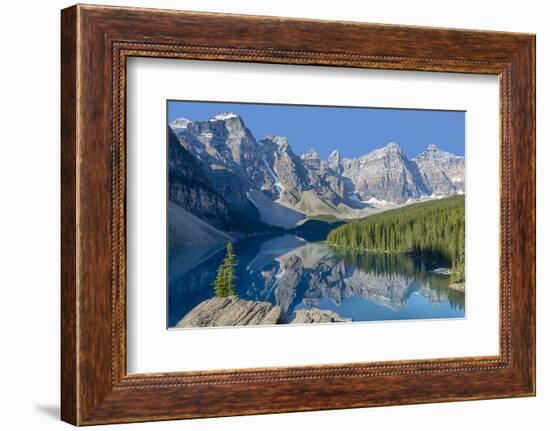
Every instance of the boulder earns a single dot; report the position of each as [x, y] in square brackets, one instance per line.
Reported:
[315, 315]
[231, 311]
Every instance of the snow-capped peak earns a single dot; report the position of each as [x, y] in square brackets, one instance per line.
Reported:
[225, 116]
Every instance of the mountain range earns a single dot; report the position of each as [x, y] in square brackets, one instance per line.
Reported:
[222, 175]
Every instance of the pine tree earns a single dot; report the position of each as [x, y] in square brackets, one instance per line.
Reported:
[220, 285]
[226, 278]
[230, 262]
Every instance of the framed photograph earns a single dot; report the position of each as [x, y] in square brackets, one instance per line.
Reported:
[324, 214]
[258, 235]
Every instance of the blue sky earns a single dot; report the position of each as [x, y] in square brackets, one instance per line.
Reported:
[352, 131]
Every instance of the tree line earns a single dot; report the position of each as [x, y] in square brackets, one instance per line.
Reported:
[434, 230]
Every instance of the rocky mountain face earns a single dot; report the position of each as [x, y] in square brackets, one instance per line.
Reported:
[294, 175]
[442, 172]
[189, 187]
[327, 183]
[285, 168]
[385, 175]
[267, 178]
[228, 154]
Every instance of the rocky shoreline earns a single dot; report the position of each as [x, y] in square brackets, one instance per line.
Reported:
[315, 315]
[234, 311]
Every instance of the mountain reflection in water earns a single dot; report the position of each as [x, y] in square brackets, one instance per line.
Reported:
[302, 271]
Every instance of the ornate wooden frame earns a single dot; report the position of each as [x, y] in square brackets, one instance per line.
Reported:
[95, 43]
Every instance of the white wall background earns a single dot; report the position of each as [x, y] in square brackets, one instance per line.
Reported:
[29, 214]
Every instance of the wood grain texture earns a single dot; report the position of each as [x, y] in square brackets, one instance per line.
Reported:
[69, 397]
[96, 41]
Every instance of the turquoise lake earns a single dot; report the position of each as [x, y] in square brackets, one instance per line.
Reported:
[300, 270]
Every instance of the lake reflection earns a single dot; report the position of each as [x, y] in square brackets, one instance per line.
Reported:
[301, 271]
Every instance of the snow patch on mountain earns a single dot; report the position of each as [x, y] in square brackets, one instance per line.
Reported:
[277, 181]
[374, 201]
[225, 116]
